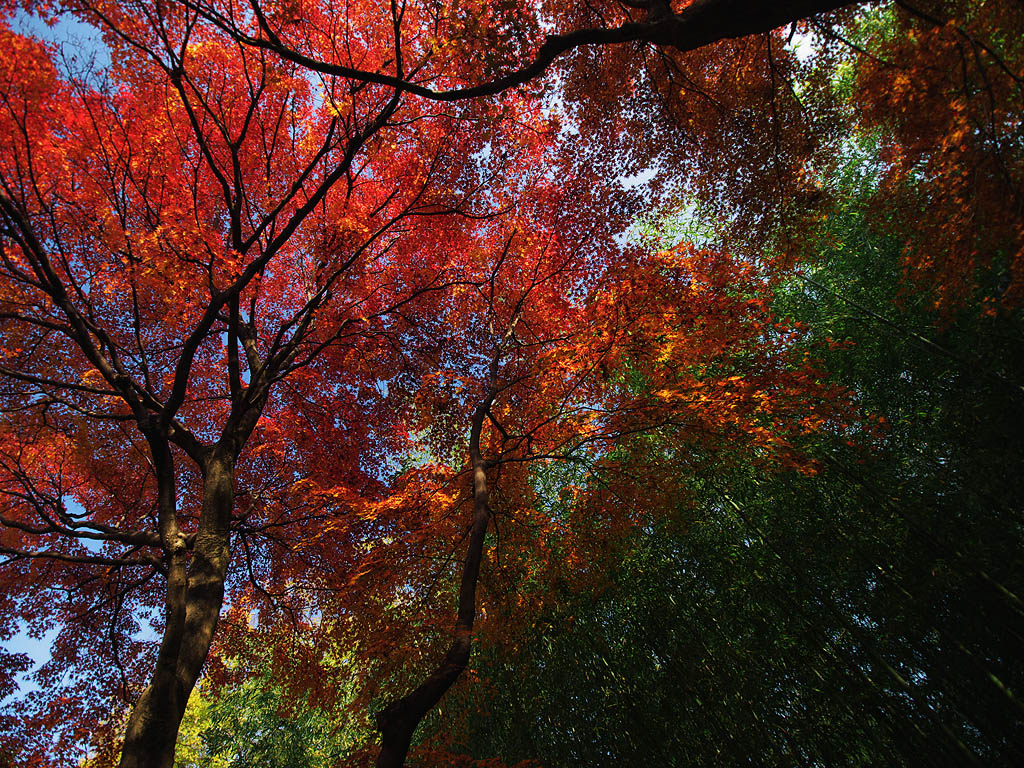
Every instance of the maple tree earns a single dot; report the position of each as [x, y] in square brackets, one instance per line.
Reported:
[286, 302]
[864, 615]
[164, 269]
[952, 72]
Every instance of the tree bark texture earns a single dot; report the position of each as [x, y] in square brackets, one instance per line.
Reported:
[195, 592]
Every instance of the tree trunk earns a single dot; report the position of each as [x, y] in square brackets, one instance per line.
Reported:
[195, 593]
[398, 721]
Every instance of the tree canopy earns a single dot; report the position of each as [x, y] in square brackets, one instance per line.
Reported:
[322, 338]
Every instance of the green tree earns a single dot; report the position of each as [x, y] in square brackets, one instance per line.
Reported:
[247, 716]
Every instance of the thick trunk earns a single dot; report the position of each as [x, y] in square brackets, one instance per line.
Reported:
[195, 592]
[153, 727]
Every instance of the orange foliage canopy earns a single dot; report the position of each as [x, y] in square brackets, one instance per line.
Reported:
[944, 89]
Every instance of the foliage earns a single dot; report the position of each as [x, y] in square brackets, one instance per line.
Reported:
[307, 309]
[865, 615]
[942, 83]
[248, 719]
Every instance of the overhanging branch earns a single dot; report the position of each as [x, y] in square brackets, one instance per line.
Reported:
[700, 24]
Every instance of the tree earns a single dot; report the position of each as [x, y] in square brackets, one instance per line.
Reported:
[688, 26]
[247, 719]
[952, 162]
[164, 270]
[864, 615]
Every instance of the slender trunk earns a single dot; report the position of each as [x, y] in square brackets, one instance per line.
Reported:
[398, 721]
[195, 592]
